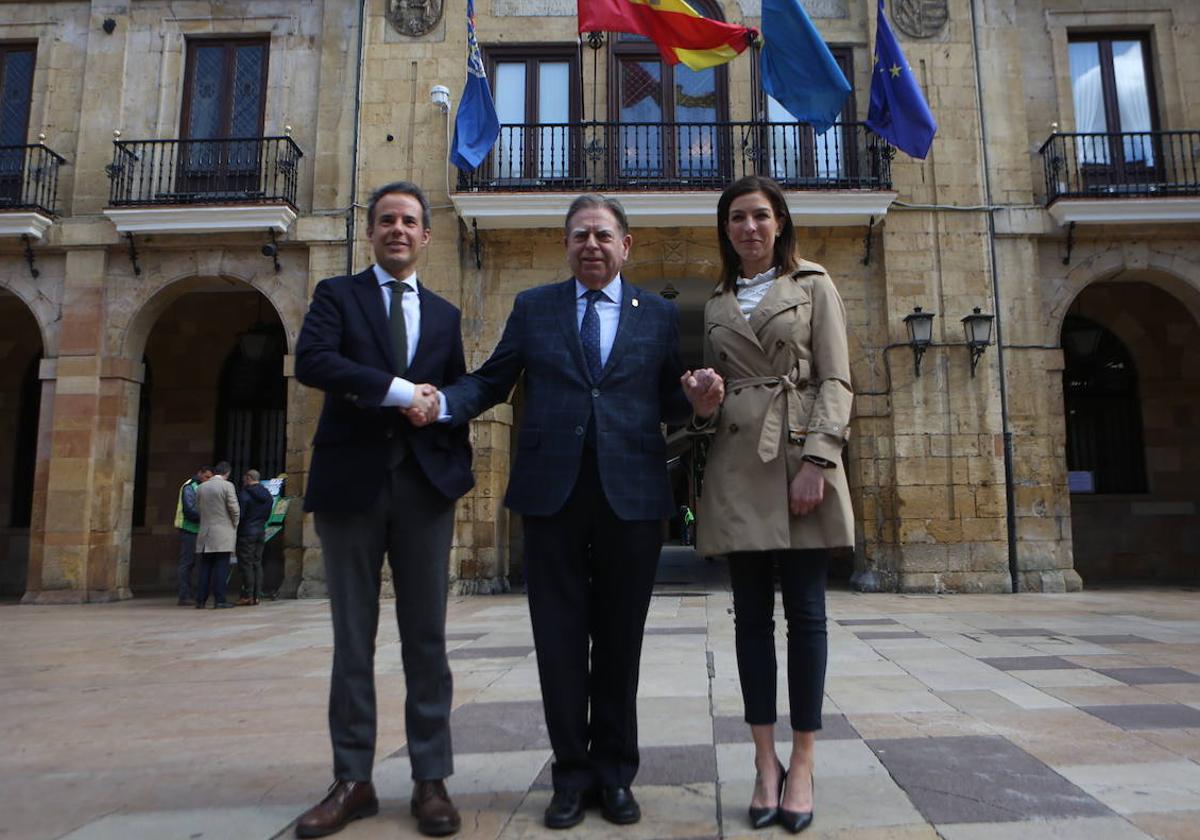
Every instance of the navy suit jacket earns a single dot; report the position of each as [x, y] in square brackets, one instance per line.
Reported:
[345, 349]
[637, 390]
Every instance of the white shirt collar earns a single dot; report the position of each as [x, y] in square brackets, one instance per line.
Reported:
[769, 274]
[383, 278]
[612, 291]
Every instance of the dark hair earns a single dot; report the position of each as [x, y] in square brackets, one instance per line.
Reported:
[405, 188]
[205, 468]
[785, 240]
[222, 468]
[590, 200]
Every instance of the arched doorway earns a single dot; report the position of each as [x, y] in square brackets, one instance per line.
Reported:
[213, 389]
[20, 404]
[1131, 394]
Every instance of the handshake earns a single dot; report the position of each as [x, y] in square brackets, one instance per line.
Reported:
[425, 407]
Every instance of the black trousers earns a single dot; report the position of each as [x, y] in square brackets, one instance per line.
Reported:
[413, 524]
[589, 576]
[802, 582]
[214, 569]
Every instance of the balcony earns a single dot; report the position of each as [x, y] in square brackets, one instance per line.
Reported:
[28, 189]
[203, 186]
[672, 174]
[1123, 178]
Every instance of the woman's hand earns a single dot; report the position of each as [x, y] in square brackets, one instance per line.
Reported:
[807, 489]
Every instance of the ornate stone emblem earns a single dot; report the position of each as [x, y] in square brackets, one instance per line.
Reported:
[920, 18]
[414, 17]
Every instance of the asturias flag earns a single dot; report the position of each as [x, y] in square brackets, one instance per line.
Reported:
[681, 33]
[476, 126]
[898, 112]
[797, 68]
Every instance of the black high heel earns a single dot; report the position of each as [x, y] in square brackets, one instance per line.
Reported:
[797, 821]
[763, 817]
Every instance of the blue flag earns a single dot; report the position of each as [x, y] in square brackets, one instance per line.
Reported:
[898, 112]
[476, 126]
[797, 68]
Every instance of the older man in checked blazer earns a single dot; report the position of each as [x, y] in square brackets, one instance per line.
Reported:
[602, 372]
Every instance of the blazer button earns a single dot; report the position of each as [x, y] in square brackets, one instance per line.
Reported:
[579, 430]
[733, 428]
[388, 433]
[724, 355]
[780, 343]
[595, 392]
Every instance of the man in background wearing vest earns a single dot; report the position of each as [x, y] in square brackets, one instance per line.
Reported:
[187, 522]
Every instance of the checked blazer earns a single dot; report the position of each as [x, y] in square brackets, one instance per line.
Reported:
[636, 391]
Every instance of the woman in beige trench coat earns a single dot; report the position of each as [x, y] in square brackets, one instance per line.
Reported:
[775, 498]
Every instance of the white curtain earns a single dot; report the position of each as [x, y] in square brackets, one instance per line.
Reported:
[1088, 93]
[1133, 100]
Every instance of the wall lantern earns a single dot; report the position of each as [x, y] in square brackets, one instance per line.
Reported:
[920, 334]
[439, 95]
[978, 328]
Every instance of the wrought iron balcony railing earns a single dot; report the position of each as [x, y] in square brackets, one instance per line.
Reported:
[1131, 163]
[612, 156]
[245, 170]
[29, 178]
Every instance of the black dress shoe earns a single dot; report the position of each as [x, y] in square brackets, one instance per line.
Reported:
[565, 809]
[345, 801]
[763, 817]
[618, 805]
[796, 821]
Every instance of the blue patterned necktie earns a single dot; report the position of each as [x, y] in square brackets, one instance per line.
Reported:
[589, 333]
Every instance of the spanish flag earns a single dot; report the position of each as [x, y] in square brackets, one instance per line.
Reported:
[681, 33]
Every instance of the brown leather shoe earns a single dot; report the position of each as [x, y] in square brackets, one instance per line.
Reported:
[245, 601]
[435, 813]
[345, 801]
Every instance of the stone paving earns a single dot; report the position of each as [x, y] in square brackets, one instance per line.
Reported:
[968, 717]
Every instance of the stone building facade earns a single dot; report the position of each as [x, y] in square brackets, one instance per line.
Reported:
[175, 178]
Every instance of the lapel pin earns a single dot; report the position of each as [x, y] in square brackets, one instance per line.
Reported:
[634, 302]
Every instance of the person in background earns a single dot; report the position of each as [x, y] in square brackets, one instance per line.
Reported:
[255, 502]
[187, 523]
[775, 495]
[219, 516]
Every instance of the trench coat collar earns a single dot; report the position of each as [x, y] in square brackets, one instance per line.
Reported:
[784, 293]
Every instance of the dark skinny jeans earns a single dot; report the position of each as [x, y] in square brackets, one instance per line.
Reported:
[802, 581]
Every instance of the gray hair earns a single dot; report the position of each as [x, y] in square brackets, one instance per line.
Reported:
[587, 201]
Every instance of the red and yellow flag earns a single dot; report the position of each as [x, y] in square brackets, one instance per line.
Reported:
[681, 33]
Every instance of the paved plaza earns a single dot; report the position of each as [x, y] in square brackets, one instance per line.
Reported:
[964, 717]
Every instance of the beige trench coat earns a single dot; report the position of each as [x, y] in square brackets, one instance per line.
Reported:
[219, 515]
[787, 395]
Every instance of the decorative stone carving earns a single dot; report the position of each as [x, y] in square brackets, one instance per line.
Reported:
[534, 8]
[414, 17]
[920, 18]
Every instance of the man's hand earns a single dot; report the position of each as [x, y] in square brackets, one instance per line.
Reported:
[425, 406]
[704, 389]
[807, 489]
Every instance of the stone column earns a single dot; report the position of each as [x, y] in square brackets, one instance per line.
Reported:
[83, 552]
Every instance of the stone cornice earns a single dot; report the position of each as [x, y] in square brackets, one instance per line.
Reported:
[24, 223]
[202, 219]
[1125, 210]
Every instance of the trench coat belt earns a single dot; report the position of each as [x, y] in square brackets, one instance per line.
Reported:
[784, 400]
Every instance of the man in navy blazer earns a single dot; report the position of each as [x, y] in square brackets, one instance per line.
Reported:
[379, 485]
[602, 373]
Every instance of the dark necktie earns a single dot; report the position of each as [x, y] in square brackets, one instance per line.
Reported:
[589, 333]
[397, 327]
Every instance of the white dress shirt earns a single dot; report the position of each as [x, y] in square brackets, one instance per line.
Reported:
[608, 308]
[751, 290]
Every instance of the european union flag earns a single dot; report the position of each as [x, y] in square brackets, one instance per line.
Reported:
[476, 126]
[898, 112]
[797, 68]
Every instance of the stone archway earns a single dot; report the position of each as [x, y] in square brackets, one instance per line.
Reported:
[1134, 338]
[21, 352]
[209, 346]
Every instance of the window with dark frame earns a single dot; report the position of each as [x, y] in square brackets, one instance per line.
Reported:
[1113, 94]
[535, 90]
[16, 93]
[795, 153]
[224, 99]
[667, 115]
[1103, 409]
